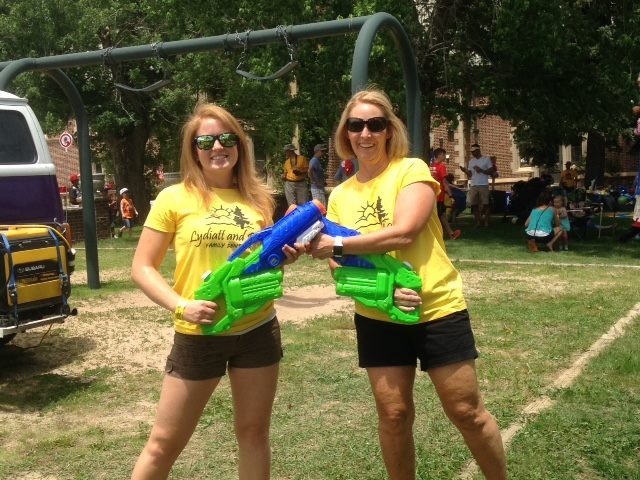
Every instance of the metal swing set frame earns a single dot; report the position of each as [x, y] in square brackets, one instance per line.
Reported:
[366, 26]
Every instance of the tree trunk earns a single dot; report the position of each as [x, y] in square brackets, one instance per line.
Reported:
[128, 155]
[595, 159]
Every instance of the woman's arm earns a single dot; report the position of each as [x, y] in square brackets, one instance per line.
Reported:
[147, 259]
[413, 208]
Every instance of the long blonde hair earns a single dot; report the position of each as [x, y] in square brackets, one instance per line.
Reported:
[398, 143]
[244, 172]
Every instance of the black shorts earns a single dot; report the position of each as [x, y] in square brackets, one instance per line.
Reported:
[441, 208]
[546, 239]
[437, 343]
[202, 357]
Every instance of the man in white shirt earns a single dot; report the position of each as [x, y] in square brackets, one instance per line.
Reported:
[479, 170]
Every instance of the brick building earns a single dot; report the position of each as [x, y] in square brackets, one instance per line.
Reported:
[495, 137]
[67, 161]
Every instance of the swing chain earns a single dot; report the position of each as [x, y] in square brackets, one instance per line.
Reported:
[244, 42]
[282, 32]
[107, 59]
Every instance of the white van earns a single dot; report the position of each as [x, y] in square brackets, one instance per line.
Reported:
[28, 186]
[36, 256]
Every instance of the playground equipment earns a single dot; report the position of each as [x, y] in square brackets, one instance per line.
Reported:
[367, 26]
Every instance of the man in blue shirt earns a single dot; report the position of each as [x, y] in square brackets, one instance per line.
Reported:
[316, 174]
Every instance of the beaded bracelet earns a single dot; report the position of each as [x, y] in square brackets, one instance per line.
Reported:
[179, 311]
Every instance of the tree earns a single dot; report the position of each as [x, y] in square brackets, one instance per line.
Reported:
[566, 74]
[132, 131]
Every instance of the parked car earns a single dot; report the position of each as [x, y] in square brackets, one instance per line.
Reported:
[36, 254]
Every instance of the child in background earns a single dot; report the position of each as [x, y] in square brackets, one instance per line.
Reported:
[634, 230]
[559, 205]
[112, 202]
[128, 212]
[456, 201]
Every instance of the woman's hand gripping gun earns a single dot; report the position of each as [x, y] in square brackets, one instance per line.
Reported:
[248, 283]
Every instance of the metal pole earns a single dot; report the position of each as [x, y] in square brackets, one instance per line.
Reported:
[368, 27]
[360, 70]
[178, 47]
[88, 205]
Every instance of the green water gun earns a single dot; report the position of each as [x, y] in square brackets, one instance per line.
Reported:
[244, 293]
[373, 281]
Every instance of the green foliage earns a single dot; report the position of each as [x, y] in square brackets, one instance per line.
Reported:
[568, 72]
[556, 70]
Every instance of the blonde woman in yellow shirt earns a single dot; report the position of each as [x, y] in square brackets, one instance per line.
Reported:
[218, 204]
[390, 201]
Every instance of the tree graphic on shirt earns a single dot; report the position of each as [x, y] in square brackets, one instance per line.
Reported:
[372, 215]
[239, 217]
[382, 215]
[227, 216]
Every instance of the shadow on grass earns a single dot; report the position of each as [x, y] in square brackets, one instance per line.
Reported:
[39, 392]
[26, 381]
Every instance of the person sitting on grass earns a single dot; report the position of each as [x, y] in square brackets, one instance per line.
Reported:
[543, 224]
[559, 203]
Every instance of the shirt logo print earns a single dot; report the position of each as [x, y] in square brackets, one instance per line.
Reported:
[372, 215]
[227, 216]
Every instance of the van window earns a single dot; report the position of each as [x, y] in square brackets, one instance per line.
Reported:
[16, 144]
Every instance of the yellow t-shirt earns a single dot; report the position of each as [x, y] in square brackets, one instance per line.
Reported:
[299, 163]
[370, 206]
[204, 239]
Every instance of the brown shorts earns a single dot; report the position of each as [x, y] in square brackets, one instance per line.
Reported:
[478, 195]
[202, 357]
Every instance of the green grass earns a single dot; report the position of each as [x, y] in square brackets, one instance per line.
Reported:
[593, 431]
[530, 321]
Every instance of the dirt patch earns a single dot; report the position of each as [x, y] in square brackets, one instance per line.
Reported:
[98, 336]
[299, 305]
[106, 275]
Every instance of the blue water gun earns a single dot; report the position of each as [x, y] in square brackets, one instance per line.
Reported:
[371, 279]
[299, 225]
[248, 282]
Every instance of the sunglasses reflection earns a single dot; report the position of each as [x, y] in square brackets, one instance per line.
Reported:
[206, 142]
[373, 124]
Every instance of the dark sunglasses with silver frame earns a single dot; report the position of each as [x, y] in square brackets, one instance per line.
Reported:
[374, 124]
[206, 142]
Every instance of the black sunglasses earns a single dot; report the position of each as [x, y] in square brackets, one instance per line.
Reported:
[374, 124]
[206, 142]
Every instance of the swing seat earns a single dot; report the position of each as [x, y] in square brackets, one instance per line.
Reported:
[274, 76]
[148, 89]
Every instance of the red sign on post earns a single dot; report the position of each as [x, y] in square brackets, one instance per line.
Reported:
[66, 140]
